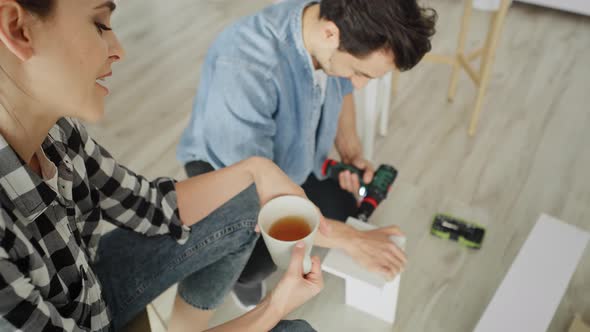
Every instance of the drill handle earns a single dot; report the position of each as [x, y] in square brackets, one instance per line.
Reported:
[332, 169]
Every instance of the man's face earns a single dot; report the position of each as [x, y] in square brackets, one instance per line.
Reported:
[358, 70]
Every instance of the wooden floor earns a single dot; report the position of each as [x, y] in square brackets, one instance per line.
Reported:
[531, 154]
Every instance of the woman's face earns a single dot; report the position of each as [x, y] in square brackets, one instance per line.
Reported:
[73, 51]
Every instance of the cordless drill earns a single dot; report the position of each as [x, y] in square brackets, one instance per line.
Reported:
[375, 192]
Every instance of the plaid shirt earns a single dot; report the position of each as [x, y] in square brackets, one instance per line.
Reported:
[49, 238]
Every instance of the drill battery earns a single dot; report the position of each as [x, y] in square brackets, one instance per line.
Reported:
[467, 234]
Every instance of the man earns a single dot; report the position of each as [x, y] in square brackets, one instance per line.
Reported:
[279, 84]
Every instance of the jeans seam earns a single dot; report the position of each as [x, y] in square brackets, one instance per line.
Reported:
[227, 230]
[198, 306]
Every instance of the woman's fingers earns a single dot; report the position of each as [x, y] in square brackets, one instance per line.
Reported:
[297, 255]
[315, 275]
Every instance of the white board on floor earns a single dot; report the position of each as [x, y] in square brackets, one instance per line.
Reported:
[537, 279]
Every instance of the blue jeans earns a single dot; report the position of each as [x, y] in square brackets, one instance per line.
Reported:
[334, 202]
[134, 269]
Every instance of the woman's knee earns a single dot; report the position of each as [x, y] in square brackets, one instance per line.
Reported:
[248, 198]
[234, 221]
[244, 206]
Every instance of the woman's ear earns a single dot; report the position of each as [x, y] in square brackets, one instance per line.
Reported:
[15, 29]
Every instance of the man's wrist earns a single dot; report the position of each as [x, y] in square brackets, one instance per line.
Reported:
[350, 152]
[344, 236]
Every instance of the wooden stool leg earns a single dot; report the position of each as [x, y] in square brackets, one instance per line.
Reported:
[394, 81]
[487, 60]
[385, 91]
[468, 5]
[370, 114]
[385, 115]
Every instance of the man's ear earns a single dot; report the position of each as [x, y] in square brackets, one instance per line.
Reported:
[331, 34]
[15, 29]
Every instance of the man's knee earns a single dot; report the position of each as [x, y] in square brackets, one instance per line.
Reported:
[259, 267]
[253, 277]
[293, 326]
[333, 201]
[197, 167]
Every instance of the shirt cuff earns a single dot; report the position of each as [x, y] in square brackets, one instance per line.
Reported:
[179, 231]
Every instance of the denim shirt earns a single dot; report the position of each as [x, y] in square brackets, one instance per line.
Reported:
[257, 97]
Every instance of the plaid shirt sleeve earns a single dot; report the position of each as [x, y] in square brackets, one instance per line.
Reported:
[21, 304]
[130, 200]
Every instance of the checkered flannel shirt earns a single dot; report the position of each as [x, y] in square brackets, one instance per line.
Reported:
[49, 238]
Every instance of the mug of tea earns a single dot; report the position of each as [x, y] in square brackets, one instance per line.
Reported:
[283, 222]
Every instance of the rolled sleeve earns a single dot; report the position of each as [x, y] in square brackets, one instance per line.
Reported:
[129, 200]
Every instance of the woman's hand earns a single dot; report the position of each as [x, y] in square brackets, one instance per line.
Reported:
[295, 288]
[291, 292]
[272, 182]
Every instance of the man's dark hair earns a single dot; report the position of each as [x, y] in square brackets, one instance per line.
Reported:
[366, 26]
[40, 7]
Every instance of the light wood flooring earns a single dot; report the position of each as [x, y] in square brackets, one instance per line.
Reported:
[531, 153]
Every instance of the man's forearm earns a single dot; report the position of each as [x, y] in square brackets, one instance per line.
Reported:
[347, 140]
[340, 235]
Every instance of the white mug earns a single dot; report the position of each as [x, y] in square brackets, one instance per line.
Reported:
[288, 206]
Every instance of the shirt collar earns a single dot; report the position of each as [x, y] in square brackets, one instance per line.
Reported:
[297, 32]
[24, 188]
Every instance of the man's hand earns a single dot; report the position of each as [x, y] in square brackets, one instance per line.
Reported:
[375, 251]
[351, 182]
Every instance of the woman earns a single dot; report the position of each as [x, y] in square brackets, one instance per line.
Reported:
[57, 185]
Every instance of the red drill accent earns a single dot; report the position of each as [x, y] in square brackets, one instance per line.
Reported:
[325, 165]
[371, 201]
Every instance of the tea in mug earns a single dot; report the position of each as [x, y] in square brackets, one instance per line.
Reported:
[289, 229]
